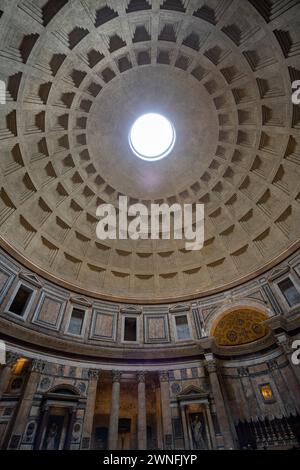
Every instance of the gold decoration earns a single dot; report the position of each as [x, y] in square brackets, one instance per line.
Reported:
[19, 366]
[240, 327]
[267, 392]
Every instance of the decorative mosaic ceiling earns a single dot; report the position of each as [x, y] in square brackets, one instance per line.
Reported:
[79, 72]
[240, 327]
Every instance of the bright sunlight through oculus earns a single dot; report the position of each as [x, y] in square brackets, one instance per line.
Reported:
[152, 137]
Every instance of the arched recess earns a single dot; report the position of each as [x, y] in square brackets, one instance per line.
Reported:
[64, 389]
[57, 418]
[239, 326]
[231, 305]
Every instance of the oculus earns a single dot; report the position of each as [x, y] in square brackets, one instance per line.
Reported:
[152, 137]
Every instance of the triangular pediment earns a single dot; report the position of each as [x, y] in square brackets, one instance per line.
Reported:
[31, 278]
[191, 390]
[179, 308]
[278, 272]
[131, 309]
[81, 301]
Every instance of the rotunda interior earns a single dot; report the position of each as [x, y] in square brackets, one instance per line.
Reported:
[125, 343]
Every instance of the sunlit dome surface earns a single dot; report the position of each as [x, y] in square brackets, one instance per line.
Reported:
[74, 89]
[152, 137]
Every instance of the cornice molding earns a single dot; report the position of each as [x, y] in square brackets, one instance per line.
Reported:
[159, 300]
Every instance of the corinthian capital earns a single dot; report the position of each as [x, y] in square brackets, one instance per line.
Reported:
[243, 371]
[38, 365]
[141, 376]
[116, 376]
[94, 374]
[11, 358]
[272, 365]
[163, 376]
[287, 347]
[211, 366]
[285, 342]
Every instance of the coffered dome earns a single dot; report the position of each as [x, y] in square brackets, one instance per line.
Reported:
[78, 75]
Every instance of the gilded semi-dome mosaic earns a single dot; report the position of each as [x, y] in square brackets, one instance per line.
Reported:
[80, 73]
[240, 327]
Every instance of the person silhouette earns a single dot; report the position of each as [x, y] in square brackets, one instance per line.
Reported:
[50, 443]
[197, 430]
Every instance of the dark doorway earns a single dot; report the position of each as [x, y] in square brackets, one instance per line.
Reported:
[101, 438]
[130, 329]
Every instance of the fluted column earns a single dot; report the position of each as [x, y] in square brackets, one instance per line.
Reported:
[42, 426]
[211, 365]
[285, 344]
[6, 371]
[279, 326]
[72, 418]
[211, 427]
[289, 402]
[249, 404]
[93, 375]
[184, 427]
[37, 367]
[166, 410]
[158, 419]
[114, 413]
[142, 412]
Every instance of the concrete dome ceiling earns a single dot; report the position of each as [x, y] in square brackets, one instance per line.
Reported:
[79, 73]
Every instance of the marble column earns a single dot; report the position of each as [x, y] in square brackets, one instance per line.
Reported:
[37, 367]
[250, 405]
[158, 419]
[142, 412]
[40, 434]
[225, 426]
[211, 427]
[285, 344]
[69, 435]
[6, 372]
[114, 413]
[184, 427]
[166, 410]
[93, 375]
[288, 402]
